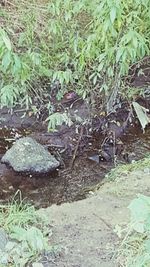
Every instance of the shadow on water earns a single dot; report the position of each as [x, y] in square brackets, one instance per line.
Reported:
[66, 185]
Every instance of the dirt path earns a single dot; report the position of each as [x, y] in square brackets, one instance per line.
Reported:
[85, 229]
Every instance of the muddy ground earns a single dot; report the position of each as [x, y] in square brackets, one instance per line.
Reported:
[84, 230]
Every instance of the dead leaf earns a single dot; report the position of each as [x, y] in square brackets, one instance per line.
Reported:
[141, 113]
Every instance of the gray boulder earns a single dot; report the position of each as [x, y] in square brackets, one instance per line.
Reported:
[26, 155]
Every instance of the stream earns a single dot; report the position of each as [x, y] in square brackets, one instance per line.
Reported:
[65, 185]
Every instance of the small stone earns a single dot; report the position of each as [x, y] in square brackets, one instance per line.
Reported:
[11, 187]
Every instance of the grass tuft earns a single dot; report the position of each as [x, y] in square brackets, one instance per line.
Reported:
[124, 169]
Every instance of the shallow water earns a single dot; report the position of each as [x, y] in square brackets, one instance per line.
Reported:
[66, 185]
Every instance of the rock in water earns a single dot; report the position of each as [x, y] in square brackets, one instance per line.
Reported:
[26, 155]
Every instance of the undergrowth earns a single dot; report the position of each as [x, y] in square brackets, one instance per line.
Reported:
[86, 46]
[125, 169]
[23, 235]
[134, 250]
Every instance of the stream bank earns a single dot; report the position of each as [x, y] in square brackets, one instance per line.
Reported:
[84, 231]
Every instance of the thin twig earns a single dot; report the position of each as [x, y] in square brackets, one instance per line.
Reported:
[76, 149]
[9, 3]
[104, 221]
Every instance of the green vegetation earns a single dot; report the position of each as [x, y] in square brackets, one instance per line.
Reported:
[85, 46]
[27, 235]
[125, 169]
[88, 46]
[135, 248]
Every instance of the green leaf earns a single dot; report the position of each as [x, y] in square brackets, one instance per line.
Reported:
[140, 213]
[17, 61]
[9, 94]
[35, 239]
[6, 60]
[113, 14]
[147, 245]
[36, 58]
[33, 236]
[7, 42]
[100, 66]
[95, 79]
[119, 53]
[18, 233]
[135, 42]
[57, 119]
